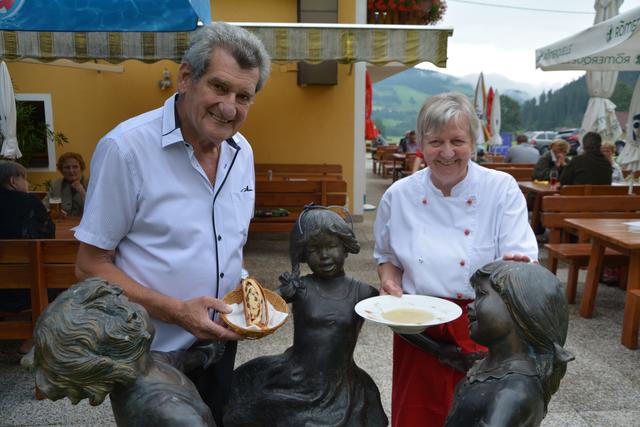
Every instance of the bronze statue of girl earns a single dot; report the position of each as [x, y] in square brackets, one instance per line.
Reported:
[316, 381]
[520, 314]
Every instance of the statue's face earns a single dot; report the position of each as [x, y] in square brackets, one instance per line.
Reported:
[489, 318]
[325, 255]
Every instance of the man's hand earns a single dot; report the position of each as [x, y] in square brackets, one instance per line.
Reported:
[560, 159]
[194, 317]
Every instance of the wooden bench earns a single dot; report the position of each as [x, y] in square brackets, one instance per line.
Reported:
[518, 173]
[296, 170]
[556, 208]
[37, 265]
[293, 195]
[596, 190]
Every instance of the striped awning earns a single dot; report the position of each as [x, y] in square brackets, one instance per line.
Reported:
[375, 44]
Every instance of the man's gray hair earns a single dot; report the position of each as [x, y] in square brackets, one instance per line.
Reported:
[438, 110]
[244, 46]
[9, 169]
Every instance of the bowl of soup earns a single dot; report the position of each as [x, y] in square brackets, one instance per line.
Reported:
[408, 314]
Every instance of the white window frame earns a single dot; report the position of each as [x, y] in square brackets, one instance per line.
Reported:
[48, 117]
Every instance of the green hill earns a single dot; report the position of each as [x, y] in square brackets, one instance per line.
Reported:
[397, 99]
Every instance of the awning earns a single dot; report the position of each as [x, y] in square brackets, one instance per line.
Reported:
[610, 45]
[375, 44]
[103, 15]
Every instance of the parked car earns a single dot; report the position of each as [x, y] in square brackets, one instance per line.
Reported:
[541, 140]
[572, 136]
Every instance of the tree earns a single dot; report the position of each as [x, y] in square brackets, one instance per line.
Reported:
[622, 96]
[510, 114]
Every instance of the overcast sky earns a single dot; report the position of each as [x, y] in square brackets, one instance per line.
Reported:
[501, 40]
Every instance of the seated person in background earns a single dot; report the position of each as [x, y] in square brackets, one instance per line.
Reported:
[608, 149]
[408, 144]
[379, 141]
[523, 152]
[555, 158]
[590, 167]
[22, 216]
[72, 187]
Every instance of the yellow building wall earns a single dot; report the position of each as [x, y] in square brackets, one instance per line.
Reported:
[287, 124]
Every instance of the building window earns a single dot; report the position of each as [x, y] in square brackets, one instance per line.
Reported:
[34, 111]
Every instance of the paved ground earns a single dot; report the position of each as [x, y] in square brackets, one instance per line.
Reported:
[601, 388]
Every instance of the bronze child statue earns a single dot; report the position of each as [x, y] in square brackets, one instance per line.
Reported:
[316, 381]
[520, 315]
[92, 342]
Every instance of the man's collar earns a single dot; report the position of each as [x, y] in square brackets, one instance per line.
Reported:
[171, 132]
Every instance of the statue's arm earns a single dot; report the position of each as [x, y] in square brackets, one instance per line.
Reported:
[448, 354]
[201, 355]
[290, 285]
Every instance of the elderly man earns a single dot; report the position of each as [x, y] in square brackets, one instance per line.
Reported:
[523, 152]
[408, 144]
[171, 196]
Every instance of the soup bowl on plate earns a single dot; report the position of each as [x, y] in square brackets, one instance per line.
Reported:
[408, 314]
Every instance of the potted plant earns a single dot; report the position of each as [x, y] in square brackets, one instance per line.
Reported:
[32, 135]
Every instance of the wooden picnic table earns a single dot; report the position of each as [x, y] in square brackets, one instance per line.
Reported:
[615, 234]
[64, 226]
[540, 190]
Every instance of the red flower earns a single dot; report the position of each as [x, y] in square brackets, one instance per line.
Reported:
[381, 5]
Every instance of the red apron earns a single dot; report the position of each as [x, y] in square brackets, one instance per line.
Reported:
[423, 388]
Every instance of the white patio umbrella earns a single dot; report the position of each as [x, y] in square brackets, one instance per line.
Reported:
[10, 148]
[629, 158]
[495, 139]
[601, 112]
[480, 104]
[612, 45]
[600, 116]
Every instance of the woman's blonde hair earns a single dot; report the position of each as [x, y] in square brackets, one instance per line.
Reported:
[608, 144]
[560, 143]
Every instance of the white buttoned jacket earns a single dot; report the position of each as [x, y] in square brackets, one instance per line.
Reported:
[439, 242]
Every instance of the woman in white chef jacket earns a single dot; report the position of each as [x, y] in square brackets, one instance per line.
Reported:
[433, 230]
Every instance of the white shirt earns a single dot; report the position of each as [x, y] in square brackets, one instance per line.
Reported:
[439, 242]
[151, 201]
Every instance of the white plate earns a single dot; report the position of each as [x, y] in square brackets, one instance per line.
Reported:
[443, 311]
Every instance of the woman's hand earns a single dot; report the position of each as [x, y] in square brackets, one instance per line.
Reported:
[390, 279]
[390, 287]
[78, 187]
[518, 258]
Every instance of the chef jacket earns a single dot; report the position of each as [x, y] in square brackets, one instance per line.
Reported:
[439, 242]
[172, 230]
